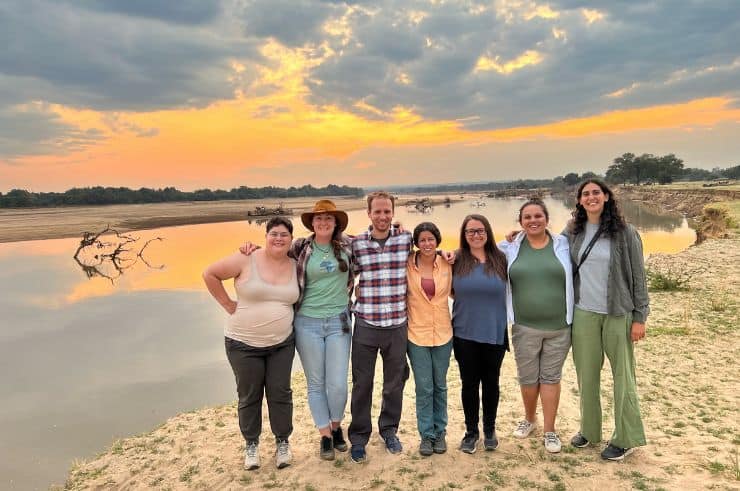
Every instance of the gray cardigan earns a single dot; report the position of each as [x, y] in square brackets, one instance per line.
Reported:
[626, 290]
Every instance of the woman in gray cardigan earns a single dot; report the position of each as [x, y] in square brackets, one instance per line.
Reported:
[611, 307]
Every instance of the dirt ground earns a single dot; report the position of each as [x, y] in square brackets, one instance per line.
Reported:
[688, 383]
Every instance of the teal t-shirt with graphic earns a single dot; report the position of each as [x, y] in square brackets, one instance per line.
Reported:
[538, 288]
[326, 286]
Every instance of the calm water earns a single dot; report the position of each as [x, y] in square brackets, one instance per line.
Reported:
[86, 361]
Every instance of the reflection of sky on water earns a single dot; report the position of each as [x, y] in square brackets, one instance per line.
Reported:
[84, 361]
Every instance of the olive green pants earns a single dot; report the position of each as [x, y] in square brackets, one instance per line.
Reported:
[593, 335]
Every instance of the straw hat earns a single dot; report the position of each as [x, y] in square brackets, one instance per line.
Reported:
[325, 206]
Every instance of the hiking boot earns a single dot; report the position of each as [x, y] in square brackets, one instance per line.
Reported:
[338, 439]
[579, 441]
[490, 441]
[426, 447]
[440, 443]
[552, 442]
[523, 429]
[327, 448]
[393, 444]
[612, 452]
[357, 454]
[252, 456]
[283, 455]
[469, 442]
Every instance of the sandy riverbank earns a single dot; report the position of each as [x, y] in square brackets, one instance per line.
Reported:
[55, 223]
[688, 380]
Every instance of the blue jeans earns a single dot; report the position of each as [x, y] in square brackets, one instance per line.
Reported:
[324, 352]
[430, 365]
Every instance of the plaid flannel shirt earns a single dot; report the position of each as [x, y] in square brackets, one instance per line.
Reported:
[381, 290]
[301, 250]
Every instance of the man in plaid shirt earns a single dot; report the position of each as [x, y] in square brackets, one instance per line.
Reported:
[380, 256]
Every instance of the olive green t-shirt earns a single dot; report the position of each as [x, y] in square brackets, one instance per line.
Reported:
[326, 286]
[538, 288]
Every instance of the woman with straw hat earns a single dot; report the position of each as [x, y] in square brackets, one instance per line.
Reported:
[322, 321]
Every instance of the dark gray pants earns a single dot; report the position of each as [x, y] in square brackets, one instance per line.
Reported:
[366, 342]
[261, 371]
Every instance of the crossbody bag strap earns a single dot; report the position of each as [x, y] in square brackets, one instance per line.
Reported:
[587, 251]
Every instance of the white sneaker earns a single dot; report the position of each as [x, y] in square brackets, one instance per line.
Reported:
[283, 455]
[523, 429]
[552, 442]
[252, 456]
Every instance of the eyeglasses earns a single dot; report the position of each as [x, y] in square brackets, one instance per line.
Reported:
[472, 232]
[275, 235]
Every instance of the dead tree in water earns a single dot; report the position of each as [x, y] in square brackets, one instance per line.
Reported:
[109, 258]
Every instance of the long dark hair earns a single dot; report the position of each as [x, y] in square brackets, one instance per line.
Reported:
[495, 259]
[336, 244]
[611, 220]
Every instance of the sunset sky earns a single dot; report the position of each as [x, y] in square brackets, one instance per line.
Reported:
[220, 94]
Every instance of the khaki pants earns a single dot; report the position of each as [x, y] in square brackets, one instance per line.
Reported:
[593, 335]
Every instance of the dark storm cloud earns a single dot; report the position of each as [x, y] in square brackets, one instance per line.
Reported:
[292, 22]
[108, 56]
[180, 11]
[37, 131]
[667, 49]
[110, 62]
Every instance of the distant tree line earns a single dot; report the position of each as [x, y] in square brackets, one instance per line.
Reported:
[559, 182]
[20, 198]
[649, 168]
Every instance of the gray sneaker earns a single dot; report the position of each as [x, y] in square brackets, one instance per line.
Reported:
[252, 456]
[440, 443]
[426, 447]
[490, 441]
[579, 441]
[283, 455]
[469, 442]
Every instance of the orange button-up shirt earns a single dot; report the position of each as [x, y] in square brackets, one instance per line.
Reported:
[429, 320]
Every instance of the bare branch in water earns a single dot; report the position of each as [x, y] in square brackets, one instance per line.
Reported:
[110, 258]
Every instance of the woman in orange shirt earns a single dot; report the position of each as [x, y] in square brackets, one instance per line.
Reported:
[429, 335]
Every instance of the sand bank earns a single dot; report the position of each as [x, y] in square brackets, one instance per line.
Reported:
[72, 221]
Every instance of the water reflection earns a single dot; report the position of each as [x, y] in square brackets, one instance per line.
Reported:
[641, 217]
[108, 253]
[84, 361]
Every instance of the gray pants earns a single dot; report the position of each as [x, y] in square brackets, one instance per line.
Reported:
[366, 342]
[261, 371]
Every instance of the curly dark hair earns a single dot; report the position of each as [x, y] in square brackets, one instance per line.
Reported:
[612, 221]
[495, 259]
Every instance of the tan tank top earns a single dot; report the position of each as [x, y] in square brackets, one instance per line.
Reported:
[264, 312]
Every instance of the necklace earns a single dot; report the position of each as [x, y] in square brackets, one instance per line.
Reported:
[322, 250]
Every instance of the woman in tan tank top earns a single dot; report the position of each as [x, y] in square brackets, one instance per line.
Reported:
[259, 338]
